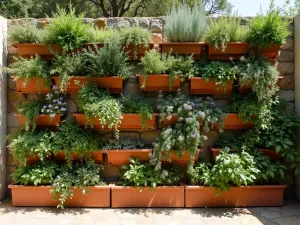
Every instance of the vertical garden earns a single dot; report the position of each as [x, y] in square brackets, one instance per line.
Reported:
[65, 157]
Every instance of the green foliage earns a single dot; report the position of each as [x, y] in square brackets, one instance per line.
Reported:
[201, 174]
[31, 111]
[269, 28]
[226, 29]
[261, 74]
[27, 69]
[99, 35]
[133, 105]
[25, 144]
[144, 175]
[228, 141]
[70, 138]
[161, 63]
[221, 72]
[186, 24]
[38, 174]
[26, 34]
[67, 29]
[94, 102]
[187, 134]
[109, 60]
[82, 175]
[114, 144]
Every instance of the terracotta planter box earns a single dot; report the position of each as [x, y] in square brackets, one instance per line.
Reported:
[245, 196]
[130, 121]
[159, 82]
[185, 158]
[30, 50]
[98, 196]
[172, 121]
[32, 86]
[96, 156]
[183, 48]
[248, 88]
[114, 83]
[43, 120]
[124, 197]
[200, 86]
[271, 52]
[271, 153]
[233, 122]
[234, 50]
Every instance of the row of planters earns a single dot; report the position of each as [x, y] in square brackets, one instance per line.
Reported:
[225, 36]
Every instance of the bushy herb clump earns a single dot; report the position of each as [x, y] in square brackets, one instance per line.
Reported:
[114, 144]
[226, 29]
[99, 35]
[185, 23]
[26, 34]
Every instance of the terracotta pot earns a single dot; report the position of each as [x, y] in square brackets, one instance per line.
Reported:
[248, 88]
[130, 121]
[233, 50]
[159, 82]
[114, 83]
[32, 86]
[96, 156]
[123, 197]
[183, 48]
[172, 121]
[43, 120]
[121, 157]
[270, 52]
[271, 153]
[233, 122]
[33, 159]
[98, 196]
[200, 86]
[30, 50]
[245, 196]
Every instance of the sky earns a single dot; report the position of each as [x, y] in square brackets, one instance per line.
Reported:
[252, 7]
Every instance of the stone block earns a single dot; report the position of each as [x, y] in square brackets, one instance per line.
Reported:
[11, 107]
[12, 120]
[286, 56]
[132, 89]
[289, 44]
[117, 23]
[144, 22]
[134, 21]
[88, 20]
[149, 137]
[288, 82]
[110, 171]
[100, 23]
[288, 95]
[156, 26]
[285, 68]
[14, 96]
[43, 22]
[11, 84]
[71, 106]
[222, 104]
[134, 136]
[10, 159]
[156, 38]
[23, 21]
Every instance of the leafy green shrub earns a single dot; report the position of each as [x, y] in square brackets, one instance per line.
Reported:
[110, 60]
[26, 144]
[133, 105]
[226, 29]
[94, 102]
[67, 29]
[81, 175]
[144, 175]
[70, 138]
[221, 72]
[99, 35]
[186, 24]
[157, 63]
[31, 111]
[122, 144]
[38, 174]
[27, 69]
[26, 34]
[269, 28]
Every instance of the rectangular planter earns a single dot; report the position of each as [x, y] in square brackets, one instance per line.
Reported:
[32, 86]
[271, 153]
[245, 196]
[124, 197]
[32, 49]
[271, 52]
[43, 120]
[200, 86]
[158, 82]
[98, 196]
[183, 48]
[130, 121]
[96, 156]
[233, 50]
[233, 122]
[113, 83]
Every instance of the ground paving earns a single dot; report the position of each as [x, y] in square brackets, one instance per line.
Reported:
[289, 214]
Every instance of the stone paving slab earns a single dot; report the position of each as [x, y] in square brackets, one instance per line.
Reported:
[289, 214]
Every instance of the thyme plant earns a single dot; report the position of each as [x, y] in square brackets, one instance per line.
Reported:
[26, 34]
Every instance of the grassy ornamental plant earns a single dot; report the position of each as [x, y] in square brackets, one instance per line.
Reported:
[224, 30]
[26, 34]
[27, 69]
[185, 23]
[67, 29]
[270, 28]
[95, 102]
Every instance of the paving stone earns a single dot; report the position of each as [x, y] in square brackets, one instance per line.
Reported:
[287, 221]
[290, 212]
[194, 221]
[270, 215]
[129, 222]
[250, 220]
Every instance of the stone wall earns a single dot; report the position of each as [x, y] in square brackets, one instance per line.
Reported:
[156, 26]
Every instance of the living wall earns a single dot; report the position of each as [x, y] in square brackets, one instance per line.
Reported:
[106, 96]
